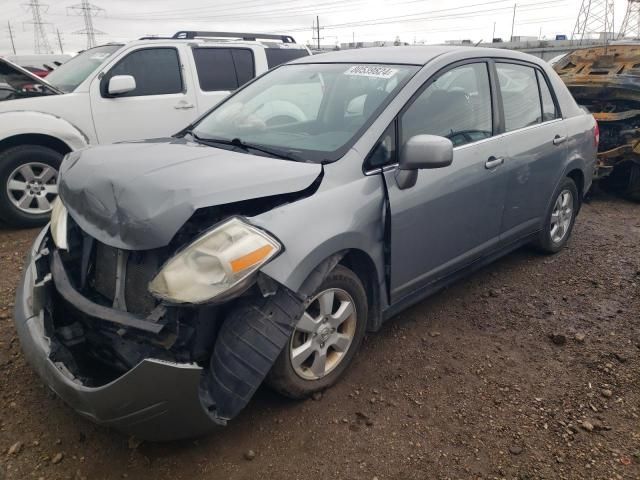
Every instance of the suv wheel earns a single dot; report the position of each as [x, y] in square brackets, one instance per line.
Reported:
[560, 218]
[325, 339]
[28, 184]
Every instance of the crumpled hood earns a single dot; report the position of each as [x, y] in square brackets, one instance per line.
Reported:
[137, 195]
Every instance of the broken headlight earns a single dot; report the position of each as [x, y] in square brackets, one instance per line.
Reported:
[58, 225]
[214, 264]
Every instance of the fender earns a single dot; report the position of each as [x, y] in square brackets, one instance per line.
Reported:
[24, 122]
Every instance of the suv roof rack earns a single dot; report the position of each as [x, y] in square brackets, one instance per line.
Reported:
[190, 34]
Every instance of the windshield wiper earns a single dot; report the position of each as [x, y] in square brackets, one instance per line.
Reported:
[236, 142]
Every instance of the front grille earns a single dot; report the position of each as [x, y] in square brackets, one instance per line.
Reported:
[141, 268]
[103, 267]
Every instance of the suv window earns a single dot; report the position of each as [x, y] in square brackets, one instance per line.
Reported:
[456, 106]
[549, 111]
[223, 68]
[278, 56]
[156, 70]
[520, 96]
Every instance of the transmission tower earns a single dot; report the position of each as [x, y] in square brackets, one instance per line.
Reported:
[595, 16]
[631, 23]
[40, 40]
[87, 11]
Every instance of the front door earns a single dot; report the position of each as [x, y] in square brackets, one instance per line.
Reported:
[162, 103]
[453, 214]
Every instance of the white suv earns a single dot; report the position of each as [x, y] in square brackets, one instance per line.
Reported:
[152, 87]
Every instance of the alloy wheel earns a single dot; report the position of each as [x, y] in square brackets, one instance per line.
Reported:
[32, 187]
[324, 334]
[561, 216]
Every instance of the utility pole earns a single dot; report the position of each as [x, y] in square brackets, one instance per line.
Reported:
[60, 41]
[318, 29]
[493, 35]
[513, 22]
[87, 11]
[40, 40]
[13, 45]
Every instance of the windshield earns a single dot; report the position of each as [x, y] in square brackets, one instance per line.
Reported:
[72, 73]
[310, 111]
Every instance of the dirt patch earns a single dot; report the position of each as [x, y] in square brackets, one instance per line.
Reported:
[528, 369]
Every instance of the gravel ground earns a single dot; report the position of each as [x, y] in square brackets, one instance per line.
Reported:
[528, 369]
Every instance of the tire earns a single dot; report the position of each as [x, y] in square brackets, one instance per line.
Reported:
[43, 163]
[549, 240]
[303, 378]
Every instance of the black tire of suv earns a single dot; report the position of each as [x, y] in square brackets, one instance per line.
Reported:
[11, 159]
[282, 376]
[544, 243]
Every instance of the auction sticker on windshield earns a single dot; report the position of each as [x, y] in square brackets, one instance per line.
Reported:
[371, 71]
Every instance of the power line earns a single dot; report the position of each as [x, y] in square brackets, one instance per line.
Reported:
[40, 40]
[429, 15]
[87, 11]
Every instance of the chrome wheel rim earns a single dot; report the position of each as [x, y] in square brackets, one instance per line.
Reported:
[32, 187]
[323, 335]
[561, 216]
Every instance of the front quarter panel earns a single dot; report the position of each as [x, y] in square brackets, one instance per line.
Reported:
[341, 215]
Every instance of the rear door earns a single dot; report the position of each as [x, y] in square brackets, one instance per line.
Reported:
[162, 103]
[220, 71]
[535, 138]
[453, 214]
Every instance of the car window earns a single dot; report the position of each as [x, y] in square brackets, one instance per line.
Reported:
[156, 71]
[549, 111]
[384, 153]
[278, 56]
[520, 97]
[456, 106]
[244, 63]
[223, 68]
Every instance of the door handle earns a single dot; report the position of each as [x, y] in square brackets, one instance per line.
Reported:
[493, 162]
[184, 106]
[558, 140]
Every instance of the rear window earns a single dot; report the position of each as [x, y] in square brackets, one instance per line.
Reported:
[278, 56]
[223, 68]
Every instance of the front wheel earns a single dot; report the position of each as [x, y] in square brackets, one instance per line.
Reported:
[325, 339]
[28, 184]
[560, 218]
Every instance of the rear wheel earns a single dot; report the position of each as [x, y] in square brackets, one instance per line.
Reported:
[325, 339]
[28, 184]
[560, 218]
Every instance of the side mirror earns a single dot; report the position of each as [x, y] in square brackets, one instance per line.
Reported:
[422, 152]
[120, 84]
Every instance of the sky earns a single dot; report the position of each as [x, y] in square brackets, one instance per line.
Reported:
[413, 21]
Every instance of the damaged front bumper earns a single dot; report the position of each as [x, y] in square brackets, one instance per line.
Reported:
[157, 399]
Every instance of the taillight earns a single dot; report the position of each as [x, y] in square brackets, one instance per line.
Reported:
[596, 135]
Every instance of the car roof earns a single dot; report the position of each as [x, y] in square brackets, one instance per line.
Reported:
[410, 55]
